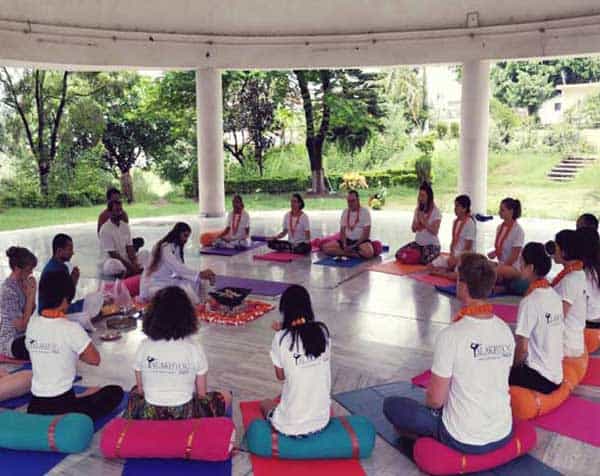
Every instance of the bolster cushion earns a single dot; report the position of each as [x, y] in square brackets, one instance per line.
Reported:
[316, 243]
[527, 404]
[433, 457]
[209, 237]
[69, 433]
[203, 439]
[343, 438]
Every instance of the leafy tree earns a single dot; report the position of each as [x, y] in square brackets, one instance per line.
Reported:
[38, 98]
[405, 86]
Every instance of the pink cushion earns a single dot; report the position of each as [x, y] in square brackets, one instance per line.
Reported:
[435, 458]
[133, 284]
[212, 438]
[377, 247]
[409, 256]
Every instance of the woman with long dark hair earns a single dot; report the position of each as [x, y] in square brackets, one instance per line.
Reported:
[590, 242]
[296, 226]
[509, 241]
[301, 354]
[426, 225]
[167, 266]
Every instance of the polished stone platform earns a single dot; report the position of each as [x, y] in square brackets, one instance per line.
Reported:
[383, 327]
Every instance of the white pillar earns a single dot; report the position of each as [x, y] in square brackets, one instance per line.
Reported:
[474, 118]
[209, 112]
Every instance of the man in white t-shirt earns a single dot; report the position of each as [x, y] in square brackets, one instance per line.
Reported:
[118, 254]
[467, 405]
[237, 232]
[540, 327]
[355, 232]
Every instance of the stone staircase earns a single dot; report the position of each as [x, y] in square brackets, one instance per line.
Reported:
[568, 168]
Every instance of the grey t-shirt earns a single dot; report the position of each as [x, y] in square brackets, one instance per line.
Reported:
[12, 306]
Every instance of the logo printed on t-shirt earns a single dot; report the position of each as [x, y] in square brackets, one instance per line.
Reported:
[43, 347]
[491, 351]
[307, 361]
[167, 367]
[552, 319]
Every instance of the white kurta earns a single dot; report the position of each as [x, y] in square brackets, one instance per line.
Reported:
[171, 271]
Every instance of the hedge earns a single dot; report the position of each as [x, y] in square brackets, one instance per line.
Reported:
[387, 178]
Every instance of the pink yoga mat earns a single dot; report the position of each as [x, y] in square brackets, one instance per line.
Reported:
[433, 280]
[577, 418]
[592, 377]
[422, 380]
[279, 257]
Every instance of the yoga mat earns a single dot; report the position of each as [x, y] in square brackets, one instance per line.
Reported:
[229, 251]
[35, 463]
[162, 467]
[576, 418]
[347, 263]
[258, 238]
[422, 380]
[433, 280]
[279, 257]
[451, 290]
[5, 359]
[278, 467]
[399, 269]
[592, 376]
[369, 402]
[258, 286]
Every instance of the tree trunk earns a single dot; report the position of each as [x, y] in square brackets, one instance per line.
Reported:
[318, 181]
[127, 186]
[44, 173]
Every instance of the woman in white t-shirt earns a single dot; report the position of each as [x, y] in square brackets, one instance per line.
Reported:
[570, 284]
[55, 345]
[467, 406]
[167, 267]
[540, 327]
[301, 354]
[170, 367]
[296, 226]
[426, 226]
[591, 266]
[463, 238]
[237, 232]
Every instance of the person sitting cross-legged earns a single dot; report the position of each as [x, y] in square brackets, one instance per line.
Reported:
[467, 405]
[237, 232]
[355, 232]
[296, 226]
[540, 327]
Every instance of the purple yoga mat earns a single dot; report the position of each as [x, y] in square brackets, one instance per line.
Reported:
[258, 286]
[228, 251]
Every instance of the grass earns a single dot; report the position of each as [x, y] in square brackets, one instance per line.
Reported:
[517, 174]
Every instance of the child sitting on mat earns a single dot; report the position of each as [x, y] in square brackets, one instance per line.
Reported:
[301, 354]
[467, 405]
[55, 344]
[540, 327]
[237, 231]
[570, 284]
[296, 226]
[170, 367]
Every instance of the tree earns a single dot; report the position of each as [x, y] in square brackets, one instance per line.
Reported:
[404, 86]
[315, 138]
[39, 98]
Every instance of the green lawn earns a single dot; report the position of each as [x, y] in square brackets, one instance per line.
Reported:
[521, 175]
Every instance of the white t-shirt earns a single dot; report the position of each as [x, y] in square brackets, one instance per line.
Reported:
[572, 290]
[244, 224]
[541, 320]
[466, 234]
[301, 226]
[515, 239]
[477, 354]
[169, 369]
[593, 298]
[425, 237]
[364, 220]
[54, 346]
[115, 238]
[305, 398]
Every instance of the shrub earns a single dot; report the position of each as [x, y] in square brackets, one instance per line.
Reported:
[426, 144]
[353, 181]
[441, 128]
[565, 138]
[454, 130]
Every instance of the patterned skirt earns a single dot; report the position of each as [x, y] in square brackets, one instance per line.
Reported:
[428, 252]
[210, 405]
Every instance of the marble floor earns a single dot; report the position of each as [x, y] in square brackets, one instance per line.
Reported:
[383, 327]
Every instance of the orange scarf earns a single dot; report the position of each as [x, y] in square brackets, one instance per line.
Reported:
[292, 227]
[473, 311]
[457, 228]
[355, 221]
[574, 266]
[501, 238]
[539, 283]
[53, 313]
[235, 223]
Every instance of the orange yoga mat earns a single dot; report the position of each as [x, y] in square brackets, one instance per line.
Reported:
[399, 269]
[285, 467]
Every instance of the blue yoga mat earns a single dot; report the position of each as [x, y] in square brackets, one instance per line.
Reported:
[369, 402]
[451, 290]
[346, 263]
[35, 463]
[161, 467]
